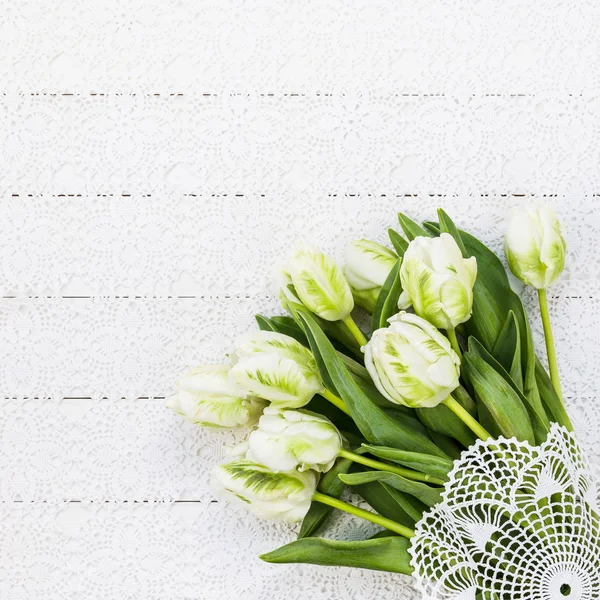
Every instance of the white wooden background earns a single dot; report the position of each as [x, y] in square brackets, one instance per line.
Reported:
[157, 160]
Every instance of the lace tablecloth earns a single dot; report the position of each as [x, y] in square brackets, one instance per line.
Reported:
[158, 158]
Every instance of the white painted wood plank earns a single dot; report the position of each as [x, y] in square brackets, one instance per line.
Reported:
[228, 245]
[126, 347]
[318, 45]
[136, 450]
[158, 551]
[107, 450]
[356, 142]
[115, 347]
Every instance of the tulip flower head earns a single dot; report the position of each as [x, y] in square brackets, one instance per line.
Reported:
[205, 396]
[277, 496]
[412, 363]
[535, 247]
[288, 439]
[319, 283]
[367, 266]
[437, 281]
[276, 367]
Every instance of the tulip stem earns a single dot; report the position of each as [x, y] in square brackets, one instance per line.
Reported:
[466, 418]
[359, 336]
[364, 514]
[550, 349]
[454, 341]
[381, 466]
[336, 401]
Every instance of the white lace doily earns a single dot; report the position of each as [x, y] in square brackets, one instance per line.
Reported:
[515, 521]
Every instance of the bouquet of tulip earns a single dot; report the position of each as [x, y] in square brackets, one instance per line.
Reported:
[441, 417]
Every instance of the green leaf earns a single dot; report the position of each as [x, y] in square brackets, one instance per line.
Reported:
[410, 228]
[448, 226]
[406, 416]
[447, 444]
[382, 534]
[493, 299]
[331, 485]
[499, 397]
[381, 554]
[359, 372]
[426, 494]
[375, 425]
[507, 349]
[389, 503]
[264, 324]
[387, 301]
[287, 326]
[341, 337]
[432, 228]
[399, 243]
[339, 418]
[413, 507]
[442, 420]
[539, 422]
[552, 401]
[424, 463]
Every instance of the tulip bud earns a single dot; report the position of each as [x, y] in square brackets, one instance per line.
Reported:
[535, 247]
[287, 439]
[412, 363]
[367, 266]
[278, 496]
[205, 396]
[276, 367]
[437, 281]
[319, 283]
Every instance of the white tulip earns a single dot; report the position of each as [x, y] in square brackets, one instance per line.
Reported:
[437, 281]
[287, 439]
[319, 283]
[276, 367]
[368, 265]
[277, 496]
[205, 396]
[412, 363]
[535, 247]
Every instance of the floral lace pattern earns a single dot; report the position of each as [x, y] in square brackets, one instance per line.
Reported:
[171, 244]
[351, 141]
[453, 47]
[528, 532]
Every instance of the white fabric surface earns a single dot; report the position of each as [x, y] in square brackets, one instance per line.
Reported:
[157, 159]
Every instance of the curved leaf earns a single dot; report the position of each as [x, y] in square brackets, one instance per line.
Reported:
[447, 226]
[426, 494]
[539, 422]
[387, 301]
[399, 243]
[388, 503]
[442, 420]
[372, 421]
[507, 349]
[410, 228]
[381, 554]
[499, 397]
[425, 463]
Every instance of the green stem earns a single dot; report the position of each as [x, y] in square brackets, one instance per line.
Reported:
[381, 466]
[454, 342]
[550, 349]
[359, 336]
[364, 514]
[335, 400]
[466, 418]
